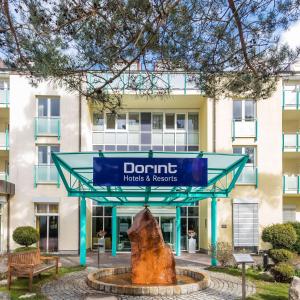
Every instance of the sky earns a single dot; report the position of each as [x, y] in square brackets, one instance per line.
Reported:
[292, 36]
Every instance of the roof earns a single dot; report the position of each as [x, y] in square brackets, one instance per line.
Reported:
[76, 172]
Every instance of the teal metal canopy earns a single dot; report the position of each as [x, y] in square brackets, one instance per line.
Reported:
[76, 172]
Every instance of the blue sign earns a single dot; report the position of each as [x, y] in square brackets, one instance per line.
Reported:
[109, 171]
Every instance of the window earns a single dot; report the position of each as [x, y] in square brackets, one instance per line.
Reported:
[289, 213]
[98, 121]
[157, 121]
[170, 121]
[180, 122]
[47, 222]
[247, 150]
[44, 154]
[193, 121]
[134, 121]
[244, 110]
[249, 110]
[110, 121]
[121, 121]
[48, 107]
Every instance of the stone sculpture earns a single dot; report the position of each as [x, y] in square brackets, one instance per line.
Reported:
[152, 261]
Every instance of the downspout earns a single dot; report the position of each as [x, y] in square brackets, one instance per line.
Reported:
[79, 149]
[214, 125]
[8, 225]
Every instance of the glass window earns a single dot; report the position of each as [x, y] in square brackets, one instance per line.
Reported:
[121, 121]
[53, 208]
[250, 152]
[193, 211]
[1, 85]
[41, 208]
[170, 121]
[54, 108]
[42, 107]
[98, 211]
[134, 121]
[42, 154]
[98, 121]
[237, 110]
[249, 110]
[180, 122]
[157, 121]
[193, 122]
[110, 121]
[53, 148]
[108, 211]
[238, 150]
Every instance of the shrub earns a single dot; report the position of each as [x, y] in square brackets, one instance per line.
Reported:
[281, 255]
[223, 253]
[283, 272]
[281, 236]
[296, 246]
[25, 249]
[25, 235]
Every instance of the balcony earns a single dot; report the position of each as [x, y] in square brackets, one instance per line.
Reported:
[46, 174]
[290, 100]
[4, 140]
[140, 81]
[244, 129]
[47, 126]
[249, 176]
[291, 184]
[4, 97]
[290, 142]
[4, 176]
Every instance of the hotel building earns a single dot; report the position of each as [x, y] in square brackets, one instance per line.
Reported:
[34, 121]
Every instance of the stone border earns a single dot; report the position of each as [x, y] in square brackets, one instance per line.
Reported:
[94, 281]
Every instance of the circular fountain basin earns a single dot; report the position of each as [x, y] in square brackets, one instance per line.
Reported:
[118, 281]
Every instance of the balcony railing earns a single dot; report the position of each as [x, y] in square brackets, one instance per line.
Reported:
[290, 142]
[244, 128]
[4, 140]
[291, 100]
[4, 176]
[139, 81]
[47, 126]
[4, 97]
[249, 176]
[46, 174]
[291, 184]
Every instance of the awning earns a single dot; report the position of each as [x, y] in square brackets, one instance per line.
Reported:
[76, 172]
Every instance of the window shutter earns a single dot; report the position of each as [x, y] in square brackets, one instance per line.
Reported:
[245, 224]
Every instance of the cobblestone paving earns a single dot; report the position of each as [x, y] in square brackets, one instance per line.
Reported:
[73, 286]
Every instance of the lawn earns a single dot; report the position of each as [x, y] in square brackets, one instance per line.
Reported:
[265, 288]
[20, 286]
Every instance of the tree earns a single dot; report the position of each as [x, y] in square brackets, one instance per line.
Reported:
[231, 46]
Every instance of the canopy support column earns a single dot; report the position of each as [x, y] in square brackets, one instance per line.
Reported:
[114, 232]
[82, 231]
[214, 229]
[178, 231]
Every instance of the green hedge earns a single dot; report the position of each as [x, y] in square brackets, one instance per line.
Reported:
[296, 246]
[25, 235]
[283, 272]
[281, 236]
[281, 255]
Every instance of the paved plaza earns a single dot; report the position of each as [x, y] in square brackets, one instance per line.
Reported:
[73, 286]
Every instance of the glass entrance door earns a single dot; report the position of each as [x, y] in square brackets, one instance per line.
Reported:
[167, 225]
[124, 223]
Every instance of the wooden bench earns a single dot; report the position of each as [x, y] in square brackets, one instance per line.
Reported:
[29, 264]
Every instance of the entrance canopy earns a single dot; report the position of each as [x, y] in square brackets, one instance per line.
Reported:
[76, 172]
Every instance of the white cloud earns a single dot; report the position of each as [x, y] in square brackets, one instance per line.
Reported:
[292, 35]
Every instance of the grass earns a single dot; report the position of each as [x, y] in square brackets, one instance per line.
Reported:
[266, 289]
[20, 286]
